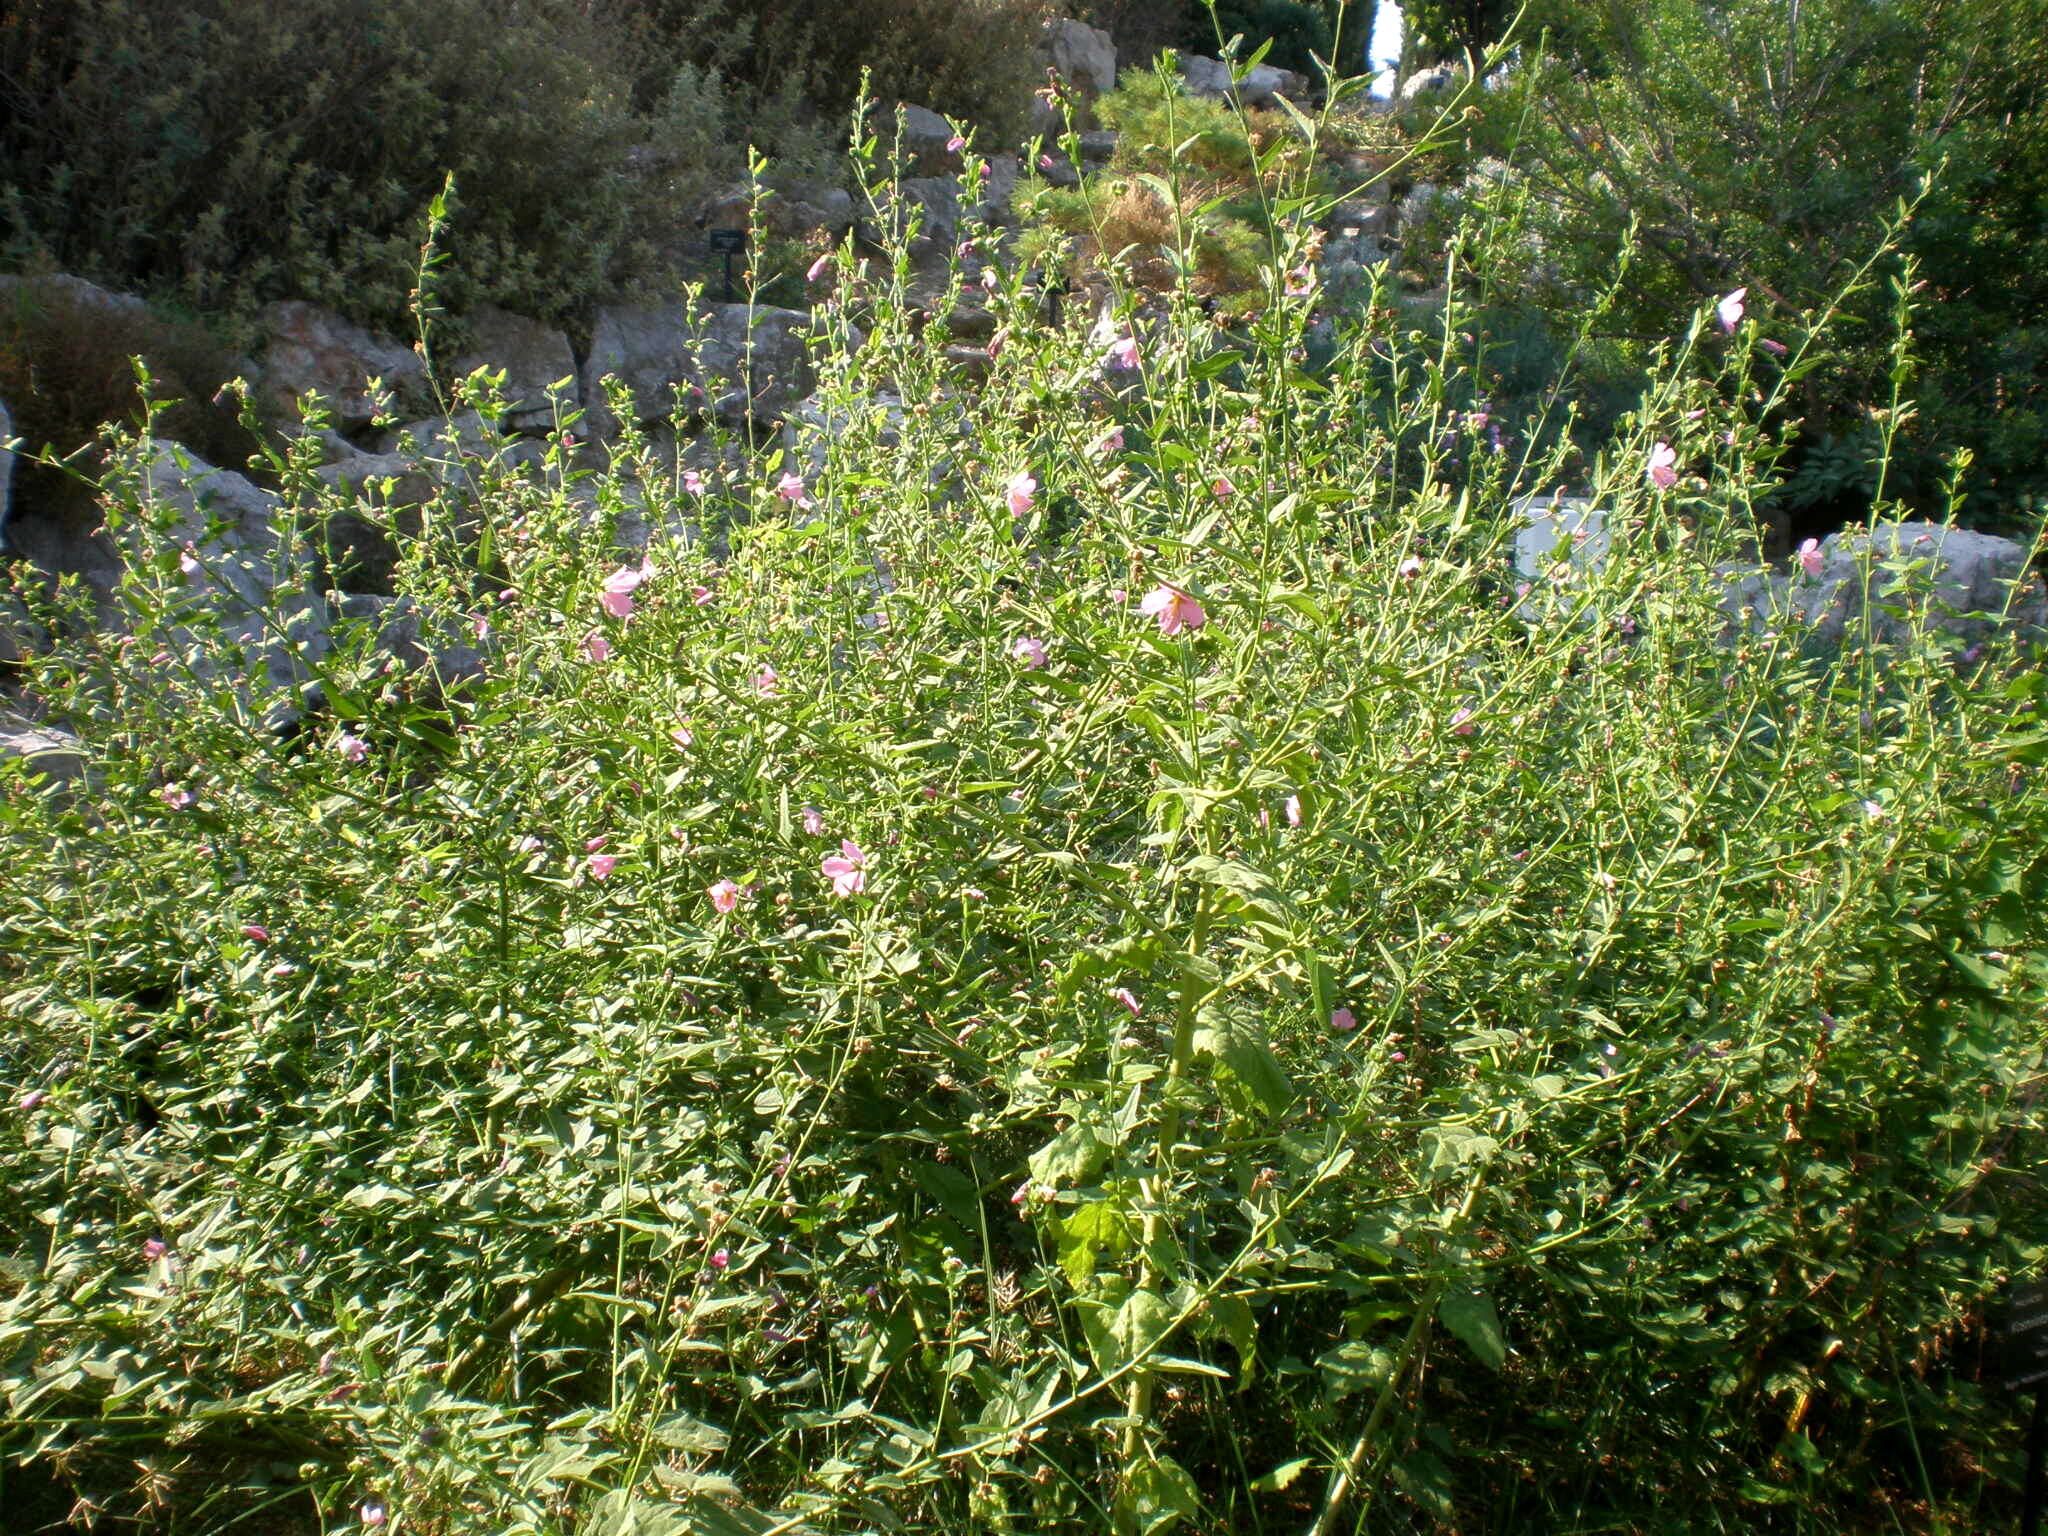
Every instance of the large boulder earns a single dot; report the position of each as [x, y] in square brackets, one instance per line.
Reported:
[52, 754]
[538, 364]
[74, 293]
[933, 203]
[1436, 80]
[1952, 580]
[1210, 79]
[309, 349]
[790, 210]
[924, 138]
[740, 361]
[1085, 58]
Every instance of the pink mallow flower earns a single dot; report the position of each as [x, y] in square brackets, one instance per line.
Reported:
[725, 895]
[1029, 650]
[178, 798]
[1021, 492]
[1125, 996]
[1343, 1020]
[767, 681]
[1123, 353]
[619, 588]
[1174, 609]
[955, 144]
[814, 821]
[596, 647]
[256, 933]
[1411, 567]
[1729, 310]
[1110, 442]
[846, 869]
[791, 488]
[1810, 558]
[1221, 488]
[601, 865]
[1461, 722]
[353, 748]
[1662, 468]
[693, 482]
[819, 268]
[1293, 809]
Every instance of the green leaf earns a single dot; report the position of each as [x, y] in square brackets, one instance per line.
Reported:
[1091, 1230]
[1470, 1316]
[1282, 1476]
[1236, 1046]
[1356, 1366]
[1159, 1494]
[1074, 1155]
[1125, 1328]
[955, 1191]
[685, 1432]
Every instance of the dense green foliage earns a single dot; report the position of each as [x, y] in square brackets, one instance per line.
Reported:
[1083, 959]
[1768, 147]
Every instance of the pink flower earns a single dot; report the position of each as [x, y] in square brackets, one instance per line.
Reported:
[1411, 567]
[353, 748]
[1873, 810]
[693, 482]
[596, 844]
[154, 1248]
[725, 895]
[256, 932]
[596, 647]
[791, 488]
[32, 1099]
[1810, 558]
[188, 561]
[372, 1512]
[702, 596]
[1020, 492]
[1343, 1020]
[601, 865]
[1292, 806]
[819, 268]
[1221, 487]
[989, 280]
[683, 737]
[1661, 472]
[1124, 996]
[814, 821]
[846, 869]
[1299, 282]
[178, 798]
[1045, 162]
[1775, 348]
[767, 681]
[1174, 609]
[721, 1259]
[619, 588]
[1028, 650]
[955, 144]
[1123, 353]
[1110, 442]
[1730, 310]
[1461, 722]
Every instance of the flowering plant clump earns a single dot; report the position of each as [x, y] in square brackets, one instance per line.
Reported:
[1221, 1003]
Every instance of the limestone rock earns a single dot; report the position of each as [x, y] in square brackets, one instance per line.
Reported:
[536, 359]
[1437, 80]
[925, 137]
[1085, 56]
[739, 361]
[1954, 580]
[55, 755]
[308, 348]
[1210, 79]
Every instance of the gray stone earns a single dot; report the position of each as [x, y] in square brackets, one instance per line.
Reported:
[1210, 79]
[1952, 580]
[6, 470]
[999, 188]
[1085, 56]
[539, 367]
[309, 349]
[788, 211]
[74, 293]
[410, 638]
[740, 362]
[55, 755]
[1551, 523]
[1437, 80]
[925, 136]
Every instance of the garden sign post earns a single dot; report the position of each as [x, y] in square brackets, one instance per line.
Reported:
[2023, 1366]
[728, 243]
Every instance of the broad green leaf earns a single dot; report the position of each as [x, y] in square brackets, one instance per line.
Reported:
[1469, 1315]
[1158, 1494]
[1073, 1155]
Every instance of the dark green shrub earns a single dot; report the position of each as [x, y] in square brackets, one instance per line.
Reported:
[226, 153]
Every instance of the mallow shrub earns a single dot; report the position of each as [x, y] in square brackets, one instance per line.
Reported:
[1079, 952]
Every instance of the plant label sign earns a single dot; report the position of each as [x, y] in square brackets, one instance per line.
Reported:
[728, 242]
[2022, 1336]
